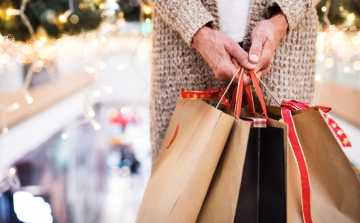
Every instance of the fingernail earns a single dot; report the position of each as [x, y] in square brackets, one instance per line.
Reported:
[254, 57]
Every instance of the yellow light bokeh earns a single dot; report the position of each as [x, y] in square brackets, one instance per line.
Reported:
[356, 65]
[329, 62]
[323, 8]
[74, 19]
[62, 18]
[341, 8]
[9, 11]
[351, 17]
[356, 40]
[43, 39]
[148, 10]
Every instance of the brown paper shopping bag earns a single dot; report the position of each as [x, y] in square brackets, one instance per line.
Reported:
[182, 174]
[222, 197]
[233, 198]
[335, 188]
[321, 184]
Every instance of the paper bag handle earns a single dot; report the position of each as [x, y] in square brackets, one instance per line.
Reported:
[248, 92]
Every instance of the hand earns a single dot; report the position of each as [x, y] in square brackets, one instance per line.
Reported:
[221, 52]
[265, 37]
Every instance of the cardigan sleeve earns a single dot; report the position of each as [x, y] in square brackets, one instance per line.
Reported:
[294, 10]
[186, 16]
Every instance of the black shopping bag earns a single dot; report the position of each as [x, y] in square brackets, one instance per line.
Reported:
[262, 191]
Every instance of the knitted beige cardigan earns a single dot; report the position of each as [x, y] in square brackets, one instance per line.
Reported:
[176, 65]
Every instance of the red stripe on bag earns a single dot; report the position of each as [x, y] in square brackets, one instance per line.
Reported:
[177, 126]
[206, 95]
[301, 163]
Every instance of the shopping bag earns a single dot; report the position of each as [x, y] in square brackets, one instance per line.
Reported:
[334, 186]
[249, 182]
[182, 173]
[320, 182]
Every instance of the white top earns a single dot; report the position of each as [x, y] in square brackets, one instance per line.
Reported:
[233, 17]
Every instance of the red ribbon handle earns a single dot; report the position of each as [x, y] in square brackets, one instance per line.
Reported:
[260, 95]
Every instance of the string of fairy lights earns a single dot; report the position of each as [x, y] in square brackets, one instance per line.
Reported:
[332, 43]
[39, 56]
[338, 42]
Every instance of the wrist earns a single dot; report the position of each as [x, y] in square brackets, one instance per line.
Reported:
[280, 23]
[200, 35]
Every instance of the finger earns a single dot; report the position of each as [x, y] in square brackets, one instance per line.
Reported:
[225, 70]
[234, 50]
[255, 50]
[234, 61]
[265, 59]
[262, 72]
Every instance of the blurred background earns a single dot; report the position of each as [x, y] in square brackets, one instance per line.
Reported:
[74, 98]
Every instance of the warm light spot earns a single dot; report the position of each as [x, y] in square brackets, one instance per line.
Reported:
[122, 66]
[329, 62]
[108, 89]
[102, 65]
[341, 8]
[10, 11]
[346, 69]
[97, 93]
[30, 100]
[103, 39]
[62, 18]
[74, 19]
[123, 110]
[27, 49]
[90, 70]
[321, 57]
[356, 65]
[40, 63]
[12, 171]
[147, 20]
[97, 127]
[39, 44]
[101, 6]
[91, 113]
[323, 8]
[15, 106]
[147, 10]
[317, 77]
[43, 39]
[351, 17]
[356, 40]
[64, 136]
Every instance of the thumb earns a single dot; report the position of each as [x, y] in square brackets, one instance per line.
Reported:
[255, 50]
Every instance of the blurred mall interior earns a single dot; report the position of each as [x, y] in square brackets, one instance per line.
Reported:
[74, 119]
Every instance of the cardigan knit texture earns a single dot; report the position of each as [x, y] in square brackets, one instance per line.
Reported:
[176, 65]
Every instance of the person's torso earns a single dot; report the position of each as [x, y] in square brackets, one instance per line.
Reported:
[233, 17]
